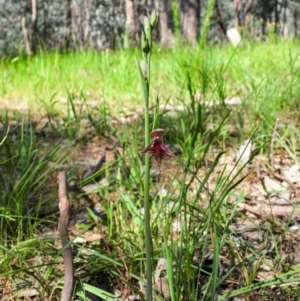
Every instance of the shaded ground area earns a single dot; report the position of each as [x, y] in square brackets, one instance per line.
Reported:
[252, 191]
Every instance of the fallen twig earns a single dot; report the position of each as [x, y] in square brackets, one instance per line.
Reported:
[281, 178]
[285, 179]
[64, 208]
[281, 212]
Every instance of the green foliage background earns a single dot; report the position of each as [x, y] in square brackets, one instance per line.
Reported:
[100, 24]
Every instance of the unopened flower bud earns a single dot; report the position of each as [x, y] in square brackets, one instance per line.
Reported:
[144, 43]
[153, 18]
[144, 69]
[148, 31]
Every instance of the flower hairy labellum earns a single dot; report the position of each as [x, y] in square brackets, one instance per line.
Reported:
[157, 150]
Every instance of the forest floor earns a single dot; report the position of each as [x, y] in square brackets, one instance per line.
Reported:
[224, 211]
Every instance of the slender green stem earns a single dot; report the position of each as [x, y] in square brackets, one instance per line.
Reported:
[148, 237]
[144, 78]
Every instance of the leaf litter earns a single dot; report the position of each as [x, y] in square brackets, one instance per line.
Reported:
[270, 200]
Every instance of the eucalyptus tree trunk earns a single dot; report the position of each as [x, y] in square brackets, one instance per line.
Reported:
[34, 28]
[247, 10]
[238, 11]
[24, 27]
[189, 20]
[165, 22]
[68, 22]
[131, 27]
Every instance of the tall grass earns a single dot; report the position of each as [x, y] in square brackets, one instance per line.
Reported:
[108, 76]
[24, 173]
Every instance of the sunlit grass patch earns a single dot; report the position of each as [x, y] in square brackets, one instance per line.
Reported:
[270, 69]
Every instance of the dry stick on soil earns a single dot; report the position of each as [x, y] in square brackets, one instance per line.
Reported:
[280, 178]
[264, 212]
[284, 179]
[64, 208]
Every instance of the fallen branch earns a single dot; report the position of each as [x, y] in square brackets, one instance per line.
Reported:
[280, 178]
[264, 212]
[64, 208]
[284, 179]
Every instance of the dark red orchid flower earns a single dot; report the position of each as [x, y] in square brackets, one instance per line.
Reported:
[157, 150]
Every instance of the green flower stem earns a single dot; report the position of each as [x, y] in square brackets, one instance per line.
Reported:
[144, 79]
[148, 237]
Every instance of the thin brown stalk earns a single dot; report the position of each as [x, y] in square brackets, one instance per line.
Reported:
[64, 208]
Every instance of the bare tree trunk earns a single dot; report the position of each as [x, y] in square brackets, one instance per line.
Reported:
[87, 23]
[24, 27]
[295, 18]
[238, 8]
[68, 23]
[264, 18]
[277, 13]
[165, 22]
[130, 21]
[219, 18]
[112, 36]
[247, 10]
[285, 30]
[45, 21]
[189, 19]
[78, 24]
[34, 26]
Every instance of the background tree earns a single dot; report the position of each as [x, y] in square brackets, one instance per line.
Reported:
[34, 28]
[25, 28]
[68, 22]
[238, 12]
[189, 19]
[296, 18]
[166, 28]
[131, 26]
[80, 24]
